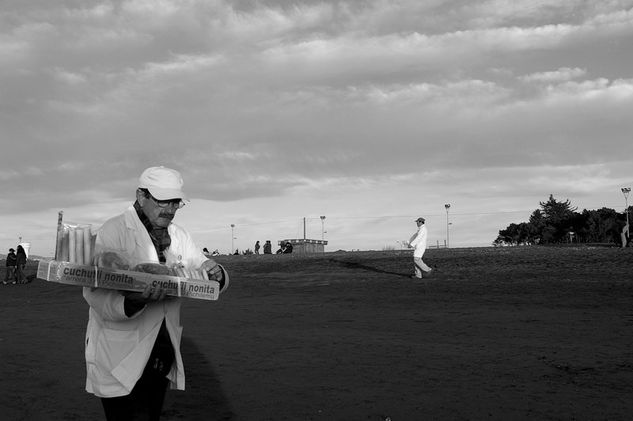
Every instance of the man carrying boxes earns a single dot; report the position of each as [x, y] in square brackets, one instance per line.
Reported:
[133, 338]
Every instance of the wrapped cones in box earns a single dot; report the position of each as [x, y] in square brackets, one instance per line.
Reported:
[75, 243]
[73, 265]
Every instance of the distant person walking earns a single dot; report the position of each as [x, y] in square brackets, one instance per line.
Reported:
[11, 263]
[20, 265]
[418, 242]
[257, 247]
[624, 236]
[268, 247]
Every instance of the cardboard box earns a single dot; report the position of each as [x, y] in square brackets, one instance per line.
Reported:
[126, 280]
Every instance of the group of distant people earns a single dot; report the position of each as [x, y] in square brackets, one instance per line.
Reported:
[284, 248]
[268, 247]
[206, 252]
[15, 265]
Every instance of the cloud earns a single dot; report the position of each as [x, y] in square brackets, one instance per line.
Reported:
[562, 74]
[69, 78]
[273, 103]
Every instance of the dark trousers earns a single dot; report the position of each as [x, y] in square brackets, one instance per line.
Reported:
[145, 403]
[19, 273]
[10, 273]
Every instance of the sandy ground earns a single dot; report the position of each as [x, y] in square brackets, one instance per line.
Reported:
[494, 334]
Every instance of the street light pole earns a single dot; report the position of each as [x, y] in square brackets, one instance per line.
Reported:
[625, 192]
[447, 207]
[232, 238]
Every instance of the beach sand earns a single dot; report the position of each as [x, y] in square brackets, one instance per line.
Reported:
[510, 333]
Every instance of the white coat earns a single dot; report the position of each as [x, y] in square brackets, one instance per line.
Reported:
[418, 241]
[117, 346]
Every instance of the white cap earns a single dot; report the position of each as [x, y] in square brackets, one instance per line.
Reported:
[163, 183]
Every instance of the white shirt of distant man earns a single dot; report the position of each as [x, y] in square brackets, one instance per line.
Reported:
[418, 242]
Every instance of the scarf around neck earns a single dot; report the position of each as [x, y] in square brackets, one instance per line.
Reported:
[159, 236]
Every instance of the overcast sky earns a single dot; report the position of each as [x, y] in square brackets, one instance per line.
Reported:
[370, 113]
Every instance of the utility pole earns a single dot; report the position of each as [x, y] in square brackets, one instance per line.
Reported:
[323, 232]
[322, 227]
[305, 246]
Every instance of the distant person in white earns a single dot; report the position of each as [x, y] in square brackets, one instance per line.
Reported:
[625, 237]
[418, 241]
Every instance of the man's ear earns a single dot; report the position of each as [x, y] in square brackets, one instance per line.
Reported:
[140, 196]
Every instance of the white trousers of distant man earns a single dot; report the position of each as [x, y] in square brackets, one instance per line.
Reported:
[420, 266]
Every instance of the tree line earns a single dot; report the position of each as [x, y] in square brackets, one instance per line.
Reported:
[558, 222]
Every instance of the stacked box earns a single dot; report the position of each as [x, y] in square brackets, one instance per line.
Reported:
[126, 280]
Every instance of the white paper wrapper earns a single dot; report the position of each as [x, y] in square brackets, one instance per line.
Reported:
[75, 243]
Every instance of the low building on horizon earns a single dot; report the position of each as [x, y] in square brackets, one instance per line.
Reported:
[305, 245]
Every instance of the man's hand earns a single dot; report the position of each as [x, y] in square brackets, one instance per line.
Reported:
[215, 273]
[136, 301]
[213, 270]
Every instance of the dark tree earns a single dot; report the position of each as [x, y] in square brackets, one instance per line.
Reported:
[558, 222]
[515, 234]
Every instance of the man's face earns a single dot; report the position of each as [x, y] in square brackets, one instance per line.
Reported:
[158, 216]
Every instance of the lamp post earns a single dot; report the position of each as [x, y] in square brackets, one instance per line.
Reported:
[625, 192]
[232, 238]
[447, 207]
[322, 227]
